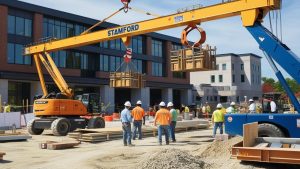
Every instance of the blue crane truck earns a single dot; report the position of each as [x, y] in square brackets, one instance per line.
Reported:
[271, 125]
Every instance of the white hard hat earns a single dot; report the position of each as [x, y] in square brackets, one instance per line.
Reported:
[232, 104]
[170, 104]
[127, 104]
[139, 102]
[219, 105]
[251, 100]
[162, 104]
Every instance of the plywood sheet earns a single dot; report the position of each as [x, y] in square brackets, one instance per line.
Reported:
[250, 134]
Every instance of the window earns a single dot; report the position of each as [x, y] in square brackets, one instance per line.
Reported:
[233, 78]
[115, 63]
[232, 66]
[138, 65]
[242, 78]
[176, 46]
[179, 75]
[157, 69]
[237, 98]
[104, 44]
[84, 61]
[11, 26]
[220, 78]
[223, 66]
[17, 93]
[242, 66]
[157, 48]
[217, 67]
[60, 29]
[15, 55]
[212, 79]
[104, 63]
[19, 26]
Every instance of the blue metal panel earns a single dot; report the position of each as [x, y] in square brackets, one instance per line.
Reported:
[286, 121]
[234, 123]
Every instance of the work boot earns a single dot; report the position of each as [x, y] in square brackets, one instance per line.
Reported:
[173, 141]
[131, 145]
[125, 144]
[160, 144]
[167, 143]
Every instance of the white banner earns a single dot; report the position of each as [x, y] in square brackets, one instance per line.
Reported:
[10, 119]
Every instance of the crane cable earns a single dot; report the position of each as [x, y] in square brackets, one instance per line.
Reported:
[143, 12]
[100, 22]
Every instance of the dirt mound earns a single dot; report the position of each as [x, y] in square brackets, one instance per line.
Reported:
[220, 149]
[171, 159]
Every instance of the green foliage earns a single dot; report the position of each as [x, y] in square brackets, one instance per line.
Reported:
[295, 87]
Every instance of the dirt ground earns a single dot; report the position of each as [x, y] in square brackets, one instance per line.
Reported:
[194, 149]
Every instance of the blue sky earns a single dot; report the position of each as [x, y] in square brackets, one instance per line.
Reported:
[227, 34]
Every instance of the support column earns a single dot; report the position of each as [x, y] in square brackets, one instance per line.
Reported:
[4, 90]
[186, 97]
[167, 95]
[107, 95]
[141, 94]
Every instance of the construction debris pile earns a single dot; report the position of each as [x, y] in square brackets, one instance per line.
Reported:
[171, 158]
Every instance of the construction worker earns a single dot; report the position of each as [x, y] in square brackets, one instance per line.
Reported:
[218, 119]
[6, 108]
[252, 107]
[138, 114]
[174, 116]
[126, 124]
[162, 119]
[231, 109]
[273, 106]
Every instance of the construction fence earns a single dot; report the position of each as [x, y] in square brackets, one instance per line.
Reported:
[14, 120]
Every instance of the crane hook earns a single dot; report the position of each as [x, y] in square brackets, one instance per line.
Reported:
[187, 30]
[126, 3]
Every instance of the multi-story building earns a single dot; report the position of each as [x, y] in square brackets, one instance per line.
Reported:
[238, 77]
[86, 69]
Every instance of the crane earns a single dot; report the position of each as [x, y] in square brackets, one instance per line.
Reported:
[73, 113]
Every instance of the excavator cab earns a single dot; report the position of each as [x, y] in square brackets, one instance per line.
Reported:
[92, 102]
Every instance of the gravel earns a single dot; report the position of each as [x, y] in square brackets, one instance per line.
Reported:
[171, 159]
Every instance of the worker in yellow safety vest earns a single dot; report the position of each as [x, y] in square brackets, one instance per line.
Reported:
[6, 108]
[218, 119]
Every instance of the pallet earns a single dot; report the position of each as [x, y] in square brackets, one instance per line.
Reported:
[52, 145]
[1, 155]
[266, 149]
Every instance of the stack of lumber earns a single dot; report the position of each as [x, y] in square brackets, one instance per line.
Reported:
[105, 134]
[16, 136]
[52, 145]
[108, 134]
[1, 155]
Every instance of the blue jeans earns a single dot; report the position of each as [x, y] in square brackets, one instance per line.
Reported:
[126, 133]
[172, 130]
[137, 125]
[216, 126]
[165, 129]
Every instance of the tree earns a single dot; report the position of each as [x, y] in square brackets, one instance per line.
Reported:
[268, 85]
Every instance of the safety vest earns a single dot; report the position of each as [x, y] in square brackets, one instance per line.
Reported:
[218, 116]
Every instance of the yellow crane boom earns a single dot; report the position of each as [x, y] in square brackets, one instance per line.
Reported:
[250, 11]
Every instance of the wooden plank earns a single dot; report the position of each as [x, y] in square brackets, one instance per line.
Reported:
[62, 145]
[14, 138]
[278, 140]
[1, 155]
[276, 145]
[262, 145]
[250, 134]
